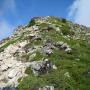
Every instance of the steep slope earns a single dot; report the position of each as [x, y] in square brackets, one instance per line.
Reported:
[48, 53]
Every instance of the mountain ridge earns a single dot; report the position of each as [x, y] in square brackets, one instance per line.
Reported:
[48, 53]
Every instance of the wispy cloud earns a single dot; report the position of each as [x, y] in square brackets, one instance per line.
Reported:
[8, 6]
[5, 29]
[79, 12]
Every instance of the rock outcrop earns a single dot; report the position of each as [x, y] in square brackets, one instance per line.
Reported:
[11, 69]
[42, 67]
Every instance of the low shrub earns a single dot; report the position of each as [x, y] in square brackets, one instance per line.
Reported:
[31, 23]
[64, 20]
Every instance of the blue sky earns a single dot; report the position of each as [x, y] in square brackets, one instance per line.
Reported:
[19, 12]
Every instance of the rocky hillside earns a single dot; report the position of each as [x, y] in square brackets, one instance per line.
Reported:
[49, 53]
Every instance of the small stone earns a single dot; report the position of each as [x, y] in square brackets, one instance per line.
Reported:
[68, 49]
[35, 28]
[60, 43]
[64, 45]
[77, 59]
[88, 74]
[54, 67]
[67, 74]
[32, 35]
[12, 73]
[4, 68]
[48, 88]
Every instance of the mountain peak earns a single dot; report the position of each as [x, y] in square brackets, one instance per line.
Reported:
[47, 53]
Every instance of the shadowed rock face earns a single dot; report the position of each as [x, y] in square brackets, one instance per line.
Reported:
[41, 67]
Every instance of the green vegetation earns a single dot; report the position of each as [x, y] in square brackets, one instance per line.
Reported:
[28, 71]
[76, 63]
[65, 63]
[31, 23]
[30, 82]
[27, 46]
[7, 44]
[12, 41]
[65, 30]
[55, 78]
[38, 56]
[64, 20]
[43, 26]
[37, 42]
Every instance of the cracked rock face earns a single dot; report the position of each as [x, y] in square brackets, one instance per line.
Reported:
[11, 69]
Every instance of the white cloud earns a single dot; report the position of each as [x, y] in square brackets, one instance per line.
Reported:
[5, 29]
[8, 6]
[79, 12]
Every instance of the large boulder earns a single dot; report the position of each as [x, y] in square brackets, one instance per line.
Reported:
[41, 67]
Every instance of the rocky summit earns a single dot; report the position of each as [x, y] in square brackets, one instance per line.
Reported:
[49, 53]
